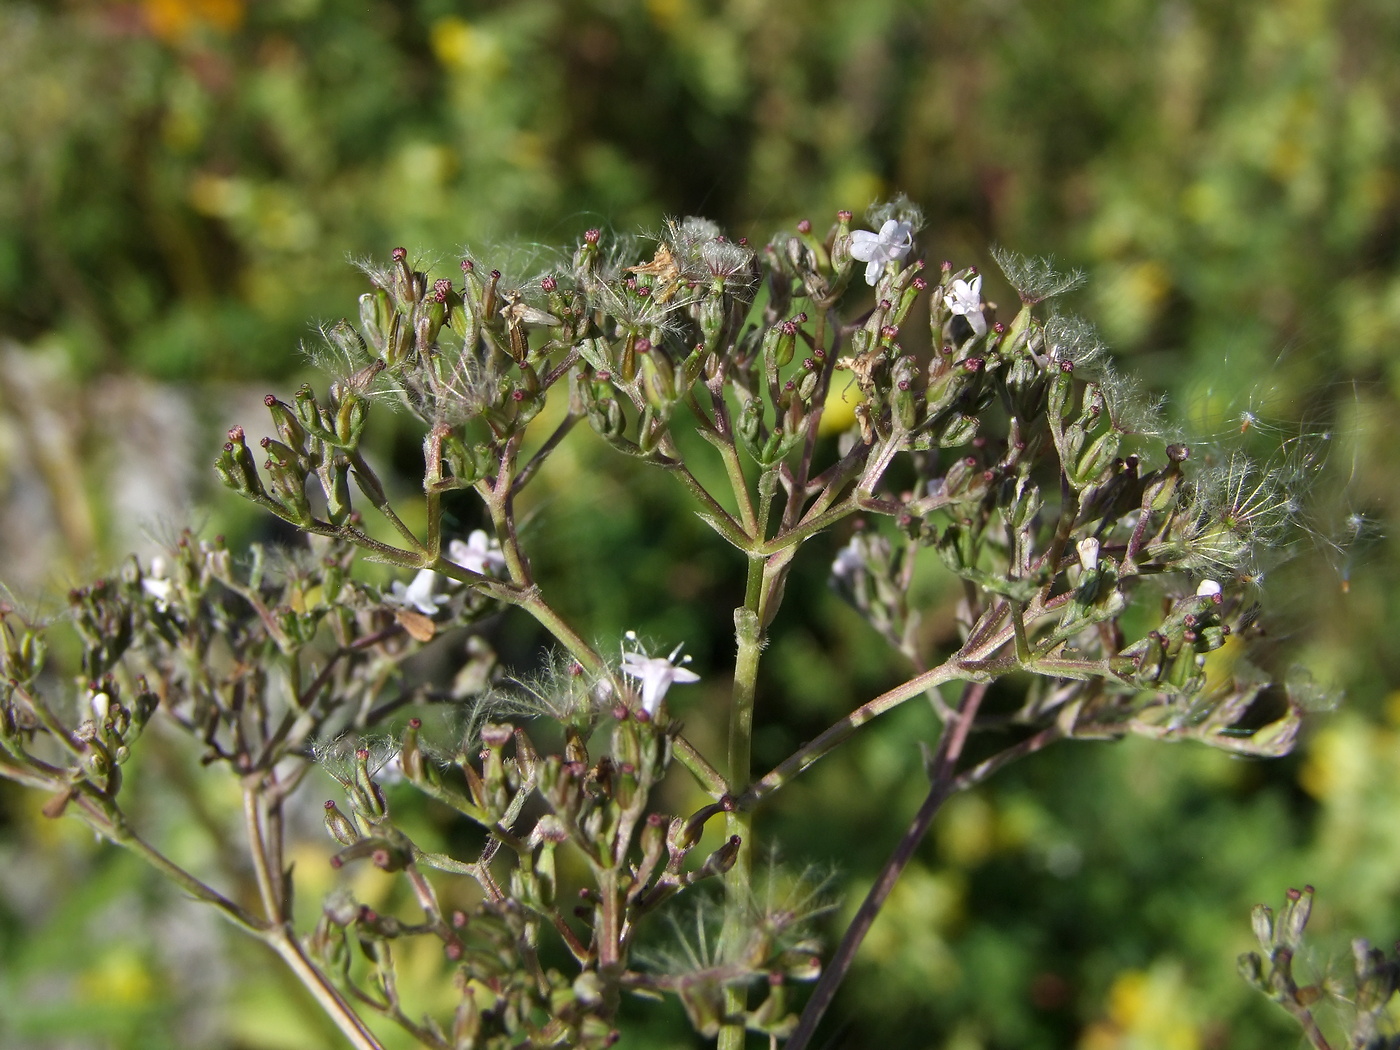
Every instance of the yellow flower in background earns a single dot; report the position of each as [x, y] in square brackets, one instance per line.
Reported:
[173, 20]
[839, 410]
[1146, 1011]
[453, 42]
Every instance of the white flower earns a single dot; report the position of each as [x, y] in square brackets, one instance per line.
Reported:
[159, 590]
[480, 554]
[656, 673]
[419, 594]
[891, 244]
[1088, 553]
[1207, 589]
[850, 559]
[966, 298]
[101, 705]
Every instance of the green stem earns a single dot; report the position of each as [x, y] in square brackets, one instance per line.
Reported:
[285, 944]
[719, 519]
[941, 774]
[823, 744]
[748, 632]
[114, 829]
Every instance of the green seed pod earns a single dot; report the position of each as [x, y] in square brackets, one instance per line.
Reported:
[1097, 461]
[335, 480]
[375, 312]
[350, 418]
[341, 827]
[904, 394]
[958, 431]
[658, 380]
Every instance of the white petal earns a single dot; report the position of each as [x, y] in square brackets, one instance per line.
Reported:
[864, 245]
[873, 271]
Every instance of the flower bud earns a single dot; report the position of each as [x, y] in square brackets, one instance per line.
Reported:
[237, 469]
[658, 378]
[1097, 459]
[341, 827]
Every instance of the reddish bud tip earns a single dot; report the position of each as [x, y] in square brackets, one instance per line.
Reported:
[330, 803]
[919, 283]
[946, 266]
[399, 254]
[459, 919]
[468, 266]
[655, 819]
[999, 328]
[517, 395]
[591, 237]
[643, 346]
[548, 284]
[453, 951]
[337, 863]
[743, 242]
[235, 434]
[270, 400]
[843, 216]
[804, 226]
[1066, 367]
[415, 723]
[362, 753]
[265, 442]
[495, 275]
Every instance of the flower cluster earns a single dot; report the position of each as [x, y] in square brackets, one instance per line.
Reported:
[1096, 562]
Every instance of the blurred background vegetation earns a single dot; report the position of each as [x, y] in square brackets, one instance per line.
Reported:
[184, 182]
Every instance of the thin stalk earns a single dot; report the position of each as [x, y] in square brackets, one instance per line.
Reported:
[945, 761]
[115, 830]
[285, 944]
[253, 825]
[722, 521]
[748, 632]
[823, 744]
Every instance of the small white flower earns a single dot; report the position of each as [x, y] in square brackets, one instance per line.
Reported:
[850, 559]
[159, 590]
[480, 554]
[1088, 553]
[965, 298]
[1207, 589]
[419, 594]
[656, 673]
[101, 705]
[891, 244]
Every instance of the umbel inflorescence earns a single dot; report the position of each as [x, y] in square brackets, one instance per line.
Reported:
[839, 385]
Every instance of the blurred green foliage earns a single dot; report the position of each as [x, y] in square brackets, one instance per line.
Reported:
[182, 182]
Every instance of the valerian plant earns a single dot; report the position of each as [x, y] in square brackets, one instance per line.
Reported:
[1095, 559]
